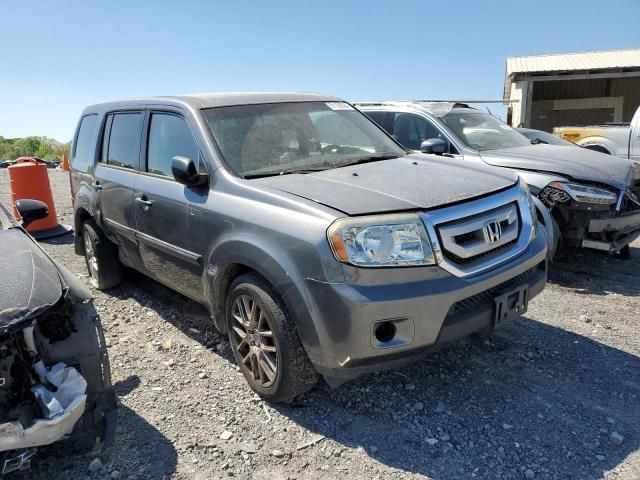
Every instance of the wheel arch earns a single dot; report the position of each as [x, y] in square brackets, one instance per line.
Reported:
[236, 258]
[598, 144]
[80, 216]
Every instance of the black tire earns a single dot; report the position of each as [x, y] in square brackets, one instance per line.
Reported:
[107, 270]
[625, 253]
[294, 373]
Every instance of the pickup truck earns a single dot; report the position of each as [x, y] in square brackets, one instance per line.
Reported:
[622, 140]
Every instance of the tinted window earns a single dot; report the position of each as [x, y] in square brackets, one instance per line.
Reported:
[169, 136]
[411, 130]
[377, 117]
[124, 140]
[105, 139]
[83, 150]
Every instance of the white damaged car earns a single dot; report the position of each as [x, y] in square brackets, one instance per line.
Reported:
[55, 379]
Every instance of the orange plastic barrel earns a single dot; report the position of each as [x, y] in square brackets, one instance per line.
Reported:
[29, 179]
[65, 160]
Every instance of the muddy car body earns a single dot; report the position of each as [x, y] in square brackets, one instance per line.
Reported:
[314, 239]
[592, 199]
[54, 370]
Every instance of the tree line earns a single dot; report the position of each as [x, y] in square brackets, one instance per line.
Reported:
[42, 147]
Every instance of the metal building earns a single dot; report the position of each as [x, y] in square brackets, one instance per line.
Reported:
[574, 89]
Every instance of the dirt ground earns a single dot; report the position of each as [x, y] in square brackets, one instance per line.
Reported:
[556, 394]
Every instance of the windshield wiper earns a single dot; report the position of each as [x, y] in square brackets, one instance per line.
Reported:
[373, 158]
[285, 172]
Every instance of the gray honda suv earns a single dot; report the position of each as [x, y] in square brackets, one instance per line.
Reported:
[318, 243]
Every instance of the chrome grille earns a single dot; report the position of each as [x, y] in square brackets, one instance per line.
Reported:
[473, 237]
[465, 261]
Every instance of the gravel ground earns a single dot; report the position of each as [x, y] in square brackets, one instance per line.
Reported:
[554, 395]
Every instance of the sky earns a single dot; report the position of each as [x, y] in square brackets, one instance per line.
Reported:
[56, 57]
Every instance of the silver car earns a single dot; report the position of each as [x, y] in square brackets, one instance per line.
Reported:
[317, 243]
[584, 198]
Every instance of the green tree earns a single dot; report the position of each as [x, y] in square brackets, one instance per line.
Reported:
[42, 147]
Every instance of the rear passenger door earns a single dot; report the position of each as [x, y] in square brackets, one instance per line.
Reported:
[169, 231]
[114, 177]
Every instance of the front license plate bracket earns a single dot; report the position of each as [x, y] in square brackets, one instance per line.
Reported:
[511, 305]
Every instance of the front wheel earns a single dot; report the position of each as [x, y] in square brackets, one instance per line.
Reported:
[265, 343]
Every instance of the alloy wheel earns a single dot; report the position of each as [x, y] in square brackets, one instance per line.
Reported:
[253, 339]
[90, 256]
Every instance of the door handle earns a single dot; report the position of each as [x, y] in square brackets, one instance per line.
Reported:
[96, 185]
[144, 201]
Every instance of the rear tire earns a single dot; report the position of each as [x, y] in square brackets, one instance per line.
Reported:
[265, 342]
[101, 257]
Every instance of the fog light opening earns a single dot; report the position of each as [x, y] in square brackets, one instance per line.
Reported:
[385, 331]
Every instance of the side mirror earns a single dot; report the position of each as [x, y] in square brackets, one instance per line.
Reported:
[433, 145]
[185, 172]
[31, 210]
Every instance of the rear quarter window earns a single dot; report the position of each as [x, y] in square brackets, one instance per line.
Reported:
[84, 147]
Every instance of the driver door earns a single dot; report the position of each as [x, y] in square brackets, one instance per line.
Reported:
[170, 227]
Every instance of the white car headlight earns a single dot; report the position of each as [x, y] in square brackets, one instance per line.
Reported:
[586, 193]
[381, 241]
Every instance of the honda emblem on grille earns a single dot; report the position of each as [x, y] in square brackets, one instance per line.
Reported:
[492, 231]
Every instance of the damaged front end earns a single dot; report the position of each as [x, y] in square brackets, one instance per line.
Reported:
[55, 378]
[594, 216]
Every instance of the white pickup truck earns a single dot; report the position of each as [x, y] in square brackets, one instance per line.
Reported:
[622, 140]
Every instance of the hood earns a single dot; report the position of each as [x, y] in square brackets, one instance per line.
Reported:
[577, 163]
[413, 182]
[34, 283]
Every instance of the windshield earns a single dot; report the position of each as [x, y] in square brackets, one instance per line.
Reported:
[481, 131]
[276, 138]
[537, 136]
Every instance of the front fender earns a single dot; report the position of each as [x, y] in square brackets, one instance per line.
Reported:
[279, 272]
[284, 265]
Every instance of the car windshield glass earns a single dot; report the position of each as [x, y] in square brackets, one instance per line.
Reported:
[481, 131]
[537, 136]
[277, 138]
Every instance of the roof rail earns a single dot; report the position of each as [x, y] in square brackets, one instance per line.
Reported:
[388, 102]
[461, 101]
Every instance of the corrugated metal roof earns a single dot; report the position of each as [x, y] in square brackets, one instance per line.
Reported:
[568, 62]
[574, 61]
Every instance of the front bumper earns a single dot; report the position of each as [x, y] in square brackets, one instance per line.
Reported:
[614, 232]
[428, 305]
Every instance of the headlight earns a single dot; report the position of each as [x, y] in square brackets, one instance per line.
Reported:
[586, 193]
[381, 241]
